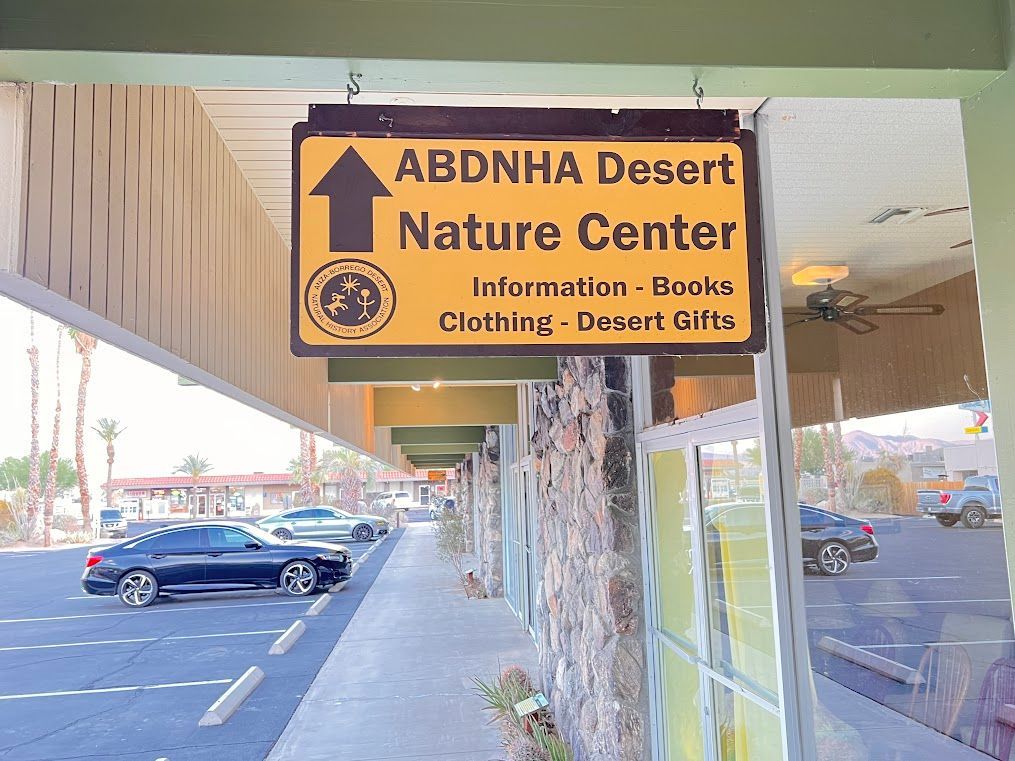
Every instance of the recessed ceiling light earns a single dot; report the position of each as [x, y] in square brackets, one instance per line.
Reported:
[436, 384]
[415, 387]
[820, 274]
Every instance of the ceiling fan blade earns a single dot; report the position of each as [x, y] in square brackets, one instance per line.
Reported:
[800, 310]
[801, 322]
[857, 325]
[946, 211]
[963, 243]
[847, 300]
[888, 310]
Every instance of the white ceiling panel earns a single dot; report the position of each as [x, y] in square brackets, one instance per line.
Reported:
[838, 163]
[257, 125]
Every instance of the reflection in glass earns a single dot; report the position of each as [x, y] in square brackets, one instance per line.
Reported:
[737, 565]
[673, 546]
[681, 690]
[744, 730]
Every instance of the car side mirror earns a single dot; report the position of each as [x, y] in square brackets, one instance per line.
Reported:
[253, 545]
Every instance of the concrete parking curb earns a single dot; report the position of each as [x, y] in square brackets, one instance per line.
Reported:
[231, 700]
[339, 586]
[355, 567]
[284, 643]
[321, 604]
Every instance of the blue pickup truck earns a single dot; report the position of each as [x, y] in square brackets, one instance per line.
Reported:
[978, 500]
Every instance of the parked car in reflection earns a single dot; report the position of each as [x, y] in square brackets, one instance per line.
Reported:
[112, 524]
[831, 542]
[209, 557]
[977, 500]
[323, 522]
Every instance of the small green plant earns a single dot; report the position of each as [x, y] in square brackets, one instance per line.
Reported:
[532, 737]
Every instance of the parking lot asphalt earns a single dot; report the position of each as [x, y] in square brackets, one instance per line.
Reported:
[929, 585]
[83, 677]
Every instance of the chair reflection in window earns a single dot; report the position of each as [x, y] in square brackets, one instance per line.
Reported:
[994, 727]
[936, 702]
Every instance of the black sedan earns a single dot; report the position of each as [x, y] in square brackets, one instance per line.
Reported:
[831, 542]
[210, 557]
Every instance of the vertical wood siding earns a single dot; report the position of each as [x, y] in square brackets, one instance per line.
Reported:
[135, 210]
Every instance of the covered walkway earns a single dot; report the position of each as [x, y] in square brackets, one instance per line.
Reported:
[399, 683]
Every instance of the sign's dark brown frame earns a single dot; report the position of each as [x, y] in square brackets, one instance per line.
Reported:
[563, 124]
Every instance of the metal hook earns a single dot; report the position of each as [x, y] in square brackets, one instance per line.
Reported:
[352, 89]
[699, 92]
[389, 120]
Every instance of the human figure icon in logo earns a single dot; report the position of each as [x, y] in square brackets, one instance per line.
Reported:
[365, 301]
[337, 302]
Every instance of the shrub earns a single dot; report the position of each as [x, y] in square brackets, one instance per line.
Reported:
[64, 522]
[887, 486]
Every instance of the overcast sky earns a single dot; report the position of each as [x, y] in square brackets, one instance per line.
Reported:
[165, 421]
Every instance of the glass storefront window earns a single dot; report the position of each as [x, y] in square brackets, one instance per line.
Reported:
[908, 611]
[744, 730]
[681, 694]
[737, 565]
[673, 545]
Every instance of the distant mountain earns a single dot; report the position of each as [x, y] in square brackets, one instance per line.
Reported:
[868, 445]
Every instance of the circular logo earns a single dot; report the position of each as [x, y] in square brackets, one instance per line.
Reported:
[350, 299]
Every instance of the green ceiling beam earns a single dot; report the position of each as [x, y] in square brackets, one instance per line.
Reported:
[439, 449]
[861, 48]
[448, 434]
[436, 463]
[444, 369]
[447, 405]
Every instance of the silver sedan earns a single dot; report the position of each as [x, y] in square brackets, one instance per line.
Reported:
[323, 522]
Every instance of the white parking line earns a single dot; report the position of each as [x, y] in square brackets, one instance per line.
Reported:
[895, 602]
[885, 578]
[151, 612]
[134, 688]
[138, 639]
[940, 644]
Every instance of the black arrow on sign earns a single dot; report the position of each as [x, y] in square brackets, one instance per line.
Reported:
[351, 186]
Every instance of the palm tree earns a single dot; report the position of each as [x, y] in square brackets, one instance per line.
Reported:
[84, 344]
[34, 488]
[350, 467]
[49, 499]
[316, 478]
[195, 466]
[108, 429]
[308, 464]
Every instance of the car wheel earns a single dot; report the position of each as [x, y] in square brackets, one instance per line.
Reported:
[947, 520]
[973, 517]
[834, 559]
[282, 533]
[362, 533]
[137, 589]
[298, 578]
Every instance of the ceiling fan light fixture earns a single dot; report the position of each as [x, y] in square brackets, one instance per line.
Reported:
[820, 274]
[900, 215]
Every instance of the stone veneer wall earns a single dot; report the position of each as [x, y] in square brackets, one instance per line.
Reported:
[490, 525]
[464, 501]
[592, 653]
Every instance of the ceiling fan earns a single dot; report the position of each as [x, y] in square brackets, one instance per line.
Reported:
[847, 310]
[953, 210]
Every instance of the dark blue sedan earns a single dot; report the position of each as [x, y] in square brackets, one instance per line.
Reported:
[210, 557]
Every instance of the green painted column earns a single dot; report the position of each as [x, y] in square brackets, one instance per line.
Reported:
[987, 120]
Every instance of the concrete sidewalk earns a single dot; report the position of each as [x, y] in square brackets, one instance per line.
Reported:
[398, 685]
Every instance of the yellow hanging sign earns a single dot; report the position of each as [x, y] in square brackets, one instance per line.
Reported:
[413, 246]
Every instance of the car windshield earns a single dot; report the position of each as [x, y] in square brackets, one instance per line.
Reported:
[110, 515]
